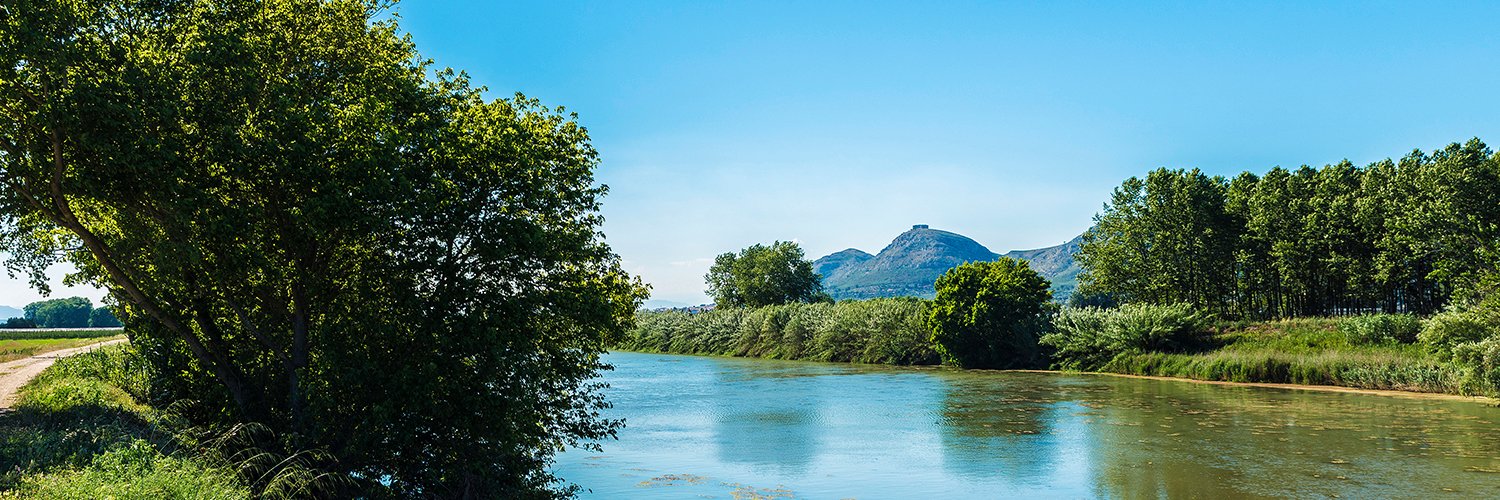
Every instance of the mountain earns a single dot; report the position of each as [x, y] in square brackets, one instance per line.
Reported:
[7, 312]
[1055, 264]
[914, 260]
[847, 258]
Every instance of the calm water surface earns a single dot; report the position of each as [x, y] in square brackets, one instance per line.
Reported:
[700, 427]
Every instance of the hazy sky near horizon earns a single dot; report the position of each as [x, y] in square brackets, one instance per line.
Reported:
[841, 124]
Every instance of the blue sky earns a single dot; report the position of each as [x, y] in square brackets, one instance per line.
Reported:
[841, 124]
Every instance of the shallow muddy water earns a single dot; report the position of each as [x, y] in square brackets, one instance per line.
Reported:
[702, 427]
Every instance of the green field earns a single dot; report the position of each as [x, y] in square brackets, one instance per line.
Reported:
[13, 349]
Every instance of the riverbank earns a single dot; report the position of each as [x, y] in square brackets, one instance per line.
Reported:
[80, 430]
[1434, 396]
[1310, 353]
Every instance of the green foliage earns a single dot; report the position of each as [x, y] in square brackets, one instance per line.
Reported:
[307, 226]
[103, 318]
[1394, 236]
[1454, 327]
[1380, 328]
[19, 323]
[1310, 351]
[1089, 338]
[887, 331]
[762, 275]
[989, 314]
[72, 312]
[1163, 239]
[1468, 335]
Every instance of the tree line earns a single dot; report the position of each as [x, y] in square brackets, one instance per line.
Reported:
[72, 312]
[1401, 235]
[984, 315]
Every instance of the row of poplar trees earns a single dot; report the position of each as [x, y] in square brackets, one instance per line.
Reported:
[1393, 236]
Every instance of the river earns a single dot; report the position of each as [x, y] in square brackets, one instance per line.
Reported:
[704, 427]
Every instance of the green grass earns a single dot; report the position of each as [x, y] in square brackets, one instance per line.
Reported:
[79, 431]
[1311, 351]
[24, 334]
[11, 350]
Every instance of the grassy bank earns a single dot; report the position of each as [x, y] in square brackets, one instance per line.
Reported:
[1452, 353]
[1309, 351]
[80, 431]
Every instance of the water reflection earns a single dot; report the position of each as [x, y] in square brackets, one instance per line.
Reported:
[998, 431]
[744, 427]
[755, 423]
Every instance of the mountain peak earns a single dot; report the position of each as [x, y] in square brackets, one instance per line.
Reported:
[913, 261]
[907, 266]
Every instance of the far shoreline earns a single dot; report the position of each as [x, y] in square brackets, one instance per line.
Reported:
[1431, 396]
[1441, 396]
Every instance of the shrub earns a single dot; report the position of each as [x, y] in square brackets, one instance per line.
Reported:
[1449, 329]
[1079, 338]
[989, 314]
[1375, 329]
[1469, 336]
[1158, 328]
[888, 331]
[1088, 338]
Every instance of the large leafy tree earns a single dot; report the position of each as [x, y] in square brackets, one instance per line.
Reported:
[72, 312]
[308, 228]
[989, 314]
[1163, 239]
[1454, 215]
[763, 275]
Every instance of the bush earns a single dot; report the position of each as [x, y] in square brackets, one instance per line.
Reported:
[1449, 329]
[1088, 338]
[1079, 338]
[1376, 329]
[1481, 363]
[989, 314]
[1469, 336]
[887, 331]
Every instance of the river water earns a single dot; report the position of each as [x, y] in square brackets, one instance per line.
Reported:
[703, 427]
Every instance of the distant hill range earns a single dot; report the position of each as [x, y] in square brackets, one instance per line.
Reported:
[914, 260]
[7, 312]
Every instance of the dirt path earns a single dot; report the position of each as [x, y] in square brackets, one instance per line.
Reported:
[14, 374]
